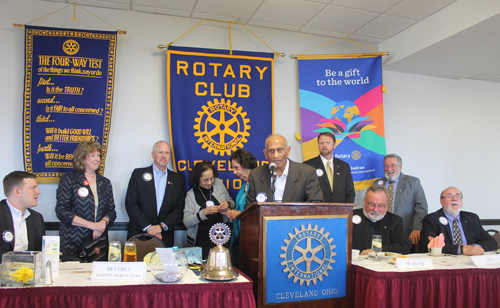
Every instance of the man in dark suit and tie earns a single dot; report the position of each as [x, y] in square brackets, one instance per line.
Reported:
[406, 196]
[294, 182]
[21, 227]
[463, 233]
[155, 197]
[330, 169]
[373, 219]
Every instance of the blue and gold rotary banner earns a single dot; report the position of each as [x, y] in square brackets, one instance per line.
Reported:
[218, 102]
[68, 96]
[344, 96]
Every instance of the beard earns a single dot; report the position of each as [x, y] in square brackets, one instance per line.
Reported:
[373, 216]
[391, 177]
[453, 212]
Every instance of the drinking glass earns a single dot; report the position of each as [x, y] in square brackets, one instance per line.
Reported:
[130, 252]
[377, 245]
[115, 251]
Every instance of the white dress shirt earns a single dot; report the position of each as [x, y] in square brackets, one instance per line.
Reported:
[20, 228]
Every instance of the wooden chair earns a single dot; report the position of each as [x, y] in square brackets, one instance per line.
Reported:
[145, 243]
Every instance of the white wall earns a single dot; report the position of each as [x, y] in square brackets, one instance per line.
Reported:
[444, 129]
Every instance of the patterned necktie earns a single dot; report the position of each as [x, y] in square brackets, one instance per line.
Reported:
[391, 193]
[329, 173]
[457, 235]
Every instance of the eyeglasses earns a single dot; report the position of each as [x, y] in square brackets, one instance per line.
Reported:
[379, 206]
[390, 166]
[206, 180]
[452, 196]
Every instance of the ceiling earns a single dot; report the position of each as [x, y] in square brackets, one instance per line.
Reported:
[453, 39]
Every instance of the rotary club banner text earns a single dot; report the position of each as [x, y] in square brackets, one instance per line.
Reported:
[218, 102]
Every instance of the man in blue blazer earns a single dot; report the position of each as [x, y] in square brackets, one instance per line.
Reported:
[463, 233]
[155, 197]
[343, 186]
[408, 197]
[21, 227]
[295, 182]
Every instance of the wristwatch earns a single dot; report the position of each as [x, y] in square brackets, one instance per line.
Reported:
[461, 249]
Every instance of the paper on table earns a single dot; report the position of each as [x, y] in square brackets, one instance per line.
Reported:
[50, 252]
[168, 260]
[72, 265]
[486, 261]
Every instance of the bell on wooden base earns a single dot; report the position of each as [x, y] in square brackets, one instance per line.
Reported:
[219, 259]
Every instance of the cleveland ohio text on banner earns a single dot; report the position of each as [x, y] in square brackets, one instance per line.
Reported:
[344, 97]
[68, 96]
[217, 104]
[305, 258]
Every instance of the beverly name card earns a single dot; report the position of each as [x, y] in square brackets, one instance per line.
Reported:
[130, 271]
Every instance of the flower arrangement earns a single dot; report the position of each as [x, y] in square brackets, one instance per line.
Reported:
[21, 268]
[24, 274]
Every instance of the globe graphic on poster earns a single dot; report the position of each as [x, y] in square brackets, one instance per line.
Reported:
[345, 111]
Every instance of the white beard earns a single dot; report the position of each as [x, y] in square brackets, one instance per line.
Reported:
[373, 216]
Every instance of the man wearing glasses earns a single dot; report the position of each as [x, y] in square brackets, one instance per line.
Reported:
[406, 197]
[155, 197]
[463, 233]
[373, 219]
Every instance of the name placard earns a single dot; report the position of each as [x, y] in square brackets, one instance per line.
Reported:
[490, 261]
[413, 263]
[119, 271]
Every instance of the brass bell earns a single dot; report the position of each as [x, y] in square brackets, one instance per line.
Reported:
[219, 259]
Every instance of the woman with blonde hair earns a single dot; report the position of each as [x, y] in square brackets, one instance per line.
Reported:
[85, 206]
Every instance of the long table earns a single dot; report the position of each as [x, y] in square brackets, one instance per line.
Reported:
[453, 282]
[73, 288]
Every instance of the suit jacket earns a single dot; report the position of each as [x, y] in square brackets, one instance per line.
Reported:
[71, 203]
[391, 229]
[140, 203]
[343, 190]
[301, 184]
[410, 202]
[473, 231]
[34, 224]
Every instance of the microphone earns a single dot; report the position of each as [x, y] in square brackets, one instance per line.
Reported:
[272, 169]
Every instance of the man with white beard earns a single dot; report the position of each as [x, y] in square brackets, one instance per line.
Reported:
[463, 233]
[406, 197]
[373, 219]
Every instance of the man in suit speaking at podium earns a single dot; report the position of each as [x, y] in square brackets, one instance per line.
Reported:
[282, 180]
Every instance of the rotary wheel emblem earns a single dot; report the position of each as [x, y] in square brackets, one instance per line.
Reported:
[220, 233]
[222, 127]
[308, 255]
[356, 155]
[71, 47]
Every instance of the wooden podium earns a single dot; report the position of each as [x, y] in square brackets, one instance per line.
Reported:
[252, 245]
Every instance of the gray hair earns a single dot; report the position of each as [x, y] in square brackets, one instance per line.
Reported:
[400, 160]
[441, 195]
[376, 188]
[275, 135]
[156, 143]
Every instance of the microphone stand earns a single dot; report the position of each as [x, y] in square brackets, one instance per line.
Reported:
[273, 182]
